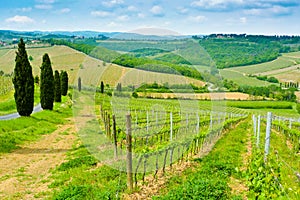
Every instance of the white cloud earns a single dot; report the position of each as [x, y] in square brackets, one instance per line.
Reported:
[253, 11]
[278, 7]
[43, 6]
[123, 18]
[198, 19]
[274, 10]
[100, 13]
[112, 3]
[113, 24]
[20, 19]
[236, 21]
[45, 1]
[132, 8]
[65, 10]
[141, 15]
[28, 9]
[215, 4]
[243, 20]
[182, 10]
[156, 10]
[279, 10]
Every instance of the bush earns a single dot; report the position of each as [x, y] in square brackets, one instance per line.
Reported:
[135, 95]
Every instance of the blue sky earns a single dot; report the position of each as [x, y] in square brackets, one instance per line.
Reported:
[183, 16]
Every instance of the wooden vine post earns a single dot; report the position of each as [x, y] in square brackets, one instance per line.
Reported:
[129, 153]
[115, 137]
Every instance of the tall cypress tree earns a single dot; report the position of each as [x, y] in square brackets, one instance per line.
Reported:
[57, 87]
[47, 84]
[102, 87]
[79, 84]
[64, 82]
[23, 82]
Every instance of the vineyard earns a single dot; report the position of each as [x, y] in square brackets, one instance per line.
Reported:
[146, 138]
[6, 85]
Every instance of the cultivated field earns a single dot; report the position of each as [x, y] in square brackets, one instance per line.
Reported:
[241, 79]
[91, 70]
[284, 68]
[202, 96]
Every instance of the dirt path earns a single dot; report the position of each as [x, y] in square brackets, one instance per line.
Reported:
[24, 173]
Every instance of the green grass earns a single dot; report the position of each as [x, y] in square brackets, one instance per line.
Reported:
[261, 104]
[279, 63]
[241, 79]
[15, 132]
[93, 71]
[289, 161]
[210, 178]
[80, 178]
[8, 105]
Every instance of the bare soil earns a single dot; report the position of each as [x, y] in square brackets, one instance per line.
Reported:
[25, 173]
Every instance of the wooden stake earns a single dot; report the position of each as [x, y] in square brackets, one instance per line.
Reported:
[115, 137]
[129, 152]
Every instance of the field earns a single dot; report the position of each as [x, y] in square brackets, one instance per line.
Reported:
[91, 70]
[202, 96]
[285, 69]
[281, 62]
[241, 79]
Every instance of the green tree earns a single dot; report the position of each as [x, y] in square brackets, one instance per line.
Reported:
[57, 87]
[102, 87]
[23, 82]
[64, 79]
[79, 84]
[37, 79]
[47, 84]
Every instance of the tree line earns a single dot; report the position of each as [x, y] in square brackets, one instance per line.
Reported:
[52, 86]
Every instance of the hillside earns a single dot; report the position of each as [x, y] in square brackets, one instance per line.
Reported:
[91, 70]
[285, 68]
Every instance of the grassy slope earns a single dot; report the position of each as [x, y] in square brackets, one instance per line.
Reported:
[15, 132]
[279, 63]
[289, 161]
[8, 105]
[240, 79]
[211, 178]
[237, 74]
[91, 70]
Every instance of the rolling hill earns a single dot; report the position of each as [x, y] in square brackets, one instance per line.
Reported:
[91, 70]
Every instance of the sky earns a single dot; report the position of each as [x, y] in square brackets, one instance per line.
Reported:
[268, 17]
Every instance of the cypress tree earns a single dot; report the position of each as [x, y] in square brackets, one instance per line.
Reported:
[79, 84]
[23, 82]
[57, 87]
[64, 83]
[47, 84]
[102, 87]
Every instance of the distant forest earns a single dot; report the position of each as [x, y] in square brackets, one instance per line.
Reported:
[231, 50]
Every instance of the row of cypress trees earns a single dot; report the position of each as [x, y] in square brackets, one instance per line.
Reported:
[51, 86]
